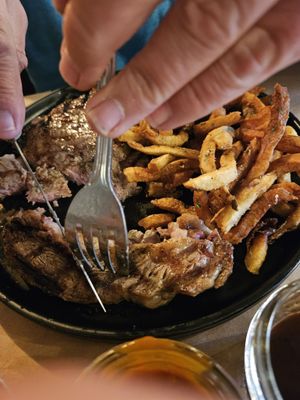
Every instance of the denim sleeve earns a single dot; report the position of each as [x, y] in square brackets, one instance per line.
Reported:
[44, 37]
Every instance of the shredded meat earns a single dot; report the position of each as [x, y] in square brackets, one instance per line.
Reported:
[35, 254]
[12, 176]
[63, 140]
[53, 182]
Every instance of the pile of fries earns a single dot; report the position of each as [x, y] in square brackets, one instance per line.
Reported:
[238, 165]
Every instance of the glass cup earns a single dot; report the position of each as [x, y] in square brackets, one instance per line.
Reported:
[166, 361]
[260, 376]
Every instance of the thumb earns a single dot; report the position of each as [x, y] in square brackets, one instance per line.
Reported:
[12, 110]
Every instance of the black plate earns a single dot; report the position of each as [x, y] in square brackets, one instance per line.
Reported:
[182, 316]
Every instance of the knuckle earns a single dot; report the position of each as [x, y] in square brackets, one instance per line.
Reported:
[144, 86]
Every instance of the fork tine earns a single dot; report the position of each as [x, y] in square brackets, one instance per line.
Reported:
[111, 253]
[96, 252]
[82, 247]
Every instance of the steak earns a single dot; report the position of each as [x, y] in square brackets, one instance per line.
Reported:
[64, 140]
[12, 176]
[35, 254]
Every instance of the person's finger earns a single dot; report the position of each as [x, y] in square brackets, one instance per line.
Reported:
[12, 110]
[60, 5]
[267, 48]
[19, 28]
[93, 30]
[193, 35]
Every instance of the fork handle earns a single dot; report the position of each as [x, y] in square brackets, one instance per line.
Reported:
[102, 163]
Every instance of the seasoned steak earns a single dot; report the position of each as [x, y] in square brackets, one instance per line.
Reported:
[35, 254]
[63, 140]
[12, 176]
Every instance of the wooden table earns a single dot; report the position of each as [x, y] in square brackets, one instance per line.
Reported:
[28, 346]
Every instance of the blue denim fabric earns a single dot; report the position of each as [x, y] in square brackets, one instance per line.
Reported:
[44, 37]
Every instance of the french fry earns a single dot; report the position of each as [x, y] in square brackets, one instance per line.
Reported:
[278, 193]
[155, 150]
[140, 174]
[200, 200]
[290, 131]
[156, 220]
[245, 162]
[256, 254]
[181, 165]
[170, 204]
[289, 144]
[221, 111]
[223, 120]
[220, 138]
[228, 217]
[166, 140]
[258, 121]
[158, 163]
[283, 209]
[180, 177]
[274, 132]
[251, 104]
[292, 223]
[160, 189]
[248, 134]
[131, 135]
[218, 178]
[287, 163]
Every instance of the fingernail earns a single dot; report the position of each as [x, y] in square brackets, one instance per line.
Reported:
[160, 116]
[7, 125]
[68, 71]
[106, 116]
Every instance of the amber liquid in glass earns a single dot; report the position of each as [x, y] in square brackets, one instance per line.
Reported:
[285, 356]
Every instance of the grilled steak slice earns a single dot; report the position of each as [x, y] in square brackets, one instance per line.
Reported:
[63, 139]
[12, 176]
[35, 254]
[54, 184]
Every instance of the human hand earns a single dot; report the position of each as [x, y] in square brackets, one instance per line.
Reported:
[12, 62]
[204, 54]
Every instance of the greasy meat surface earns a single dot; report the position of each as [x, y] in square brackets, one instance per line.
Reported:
[189, 262]
[12, 176]
[63, 139]
[53, 182]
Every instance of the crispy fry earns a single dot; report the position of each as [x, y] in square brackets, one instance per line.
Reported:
[223, 120]
[275, 131]
[251, 104]
[180, 177]
[256, 252]
[156, 220]
[287, 163]
[160, 150]
[278, 193]
[228, 217]
[219, 138]
[216, 179]
[200, 200]
[169, 204]
[219, 198]
[257, 90]
[257, 121]
[283, 209]
[217, 112]
[245, 162]
[140, 174]
[181, 165]
[289, 144]
[292, 223]
[160, 189]
[248, 134]
[131, 135]
[156, 164]
[290, 131]
[166, 140]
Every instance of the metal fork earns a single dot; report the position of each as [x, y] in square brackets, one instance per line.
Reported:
[95, 224]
